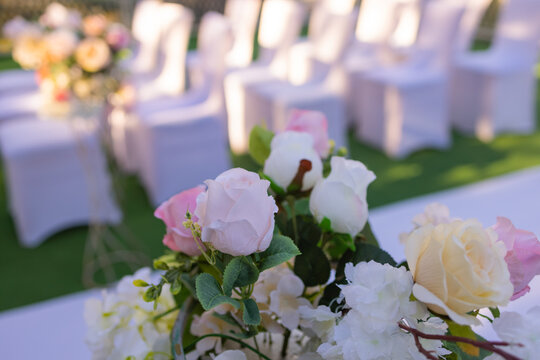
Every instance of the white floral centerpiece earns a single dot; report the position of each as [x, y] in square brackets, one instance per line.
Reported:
[75, 58]
[283, 265]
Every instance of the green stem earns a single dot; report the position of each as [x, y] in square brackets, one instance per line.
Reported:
[191, 346]
[159, 316]
[290, 200]
[285, 344]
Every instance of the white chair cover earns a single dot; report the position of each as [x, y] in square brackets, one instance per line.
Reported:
[275, 101]
[145, 29]
[56, 178]
[19, 105]
[181, 147]
[17, 81]
[280, 24]
[175, 28]
[495, 91]
[405, 108]
[243, 15]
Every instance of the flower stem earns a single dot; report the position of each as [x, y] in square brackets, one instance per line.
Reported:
[291, 200]
[285, 344]
[191, 346]
[159, 316]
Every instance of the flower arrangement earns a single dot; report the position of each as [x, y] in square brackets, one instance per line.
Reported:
[283, 264]
[73, 56]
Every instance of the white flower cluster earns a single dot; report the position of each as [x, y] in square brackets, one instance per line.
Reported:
[521, 329]
[377, 297]
[121, 324]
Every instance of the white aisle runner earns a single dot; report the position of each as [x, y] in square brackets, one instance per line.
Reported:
[55, 329]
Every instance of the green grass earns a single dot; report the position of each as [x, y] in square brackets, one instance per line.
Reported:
[54, 268]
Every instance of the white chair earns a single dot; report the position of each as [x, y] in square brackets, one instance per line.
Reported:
[56, 178]
[181, 147]
[280, 24]
[145, 29]
[17, 81]
[494, 91]
[20, 105]
[383, 26]
[243, 15]
[175, 23]
[273, 101]
[301, 53]
[404, 108]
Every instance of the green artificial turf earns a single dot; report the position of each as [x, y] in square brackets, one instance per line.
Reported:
[54, 268]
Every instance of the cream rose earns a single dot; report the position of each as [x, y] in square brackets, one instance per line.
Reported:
[457, 268]
[93, 54]
[341, 197]
[29, 51]
[288, 149]
[236, 213]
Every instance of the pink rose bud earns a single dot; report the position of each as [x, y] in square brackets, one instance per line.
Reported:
[117, 36]
[313, 123]
[522, 257]
[173, 214]
[236, 213]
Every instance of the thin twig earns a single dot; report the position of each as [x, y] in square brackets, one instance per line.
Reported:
[487, 345]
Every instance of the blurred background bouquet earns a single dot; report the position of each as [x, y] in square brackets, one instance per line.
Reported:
[75, 57]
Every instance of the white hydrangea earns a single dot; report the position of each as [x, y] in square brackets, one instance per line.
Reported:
[319, 321]
[120, 324]
[377, 297]
[286, 299]
[522, 329]
[231, 355]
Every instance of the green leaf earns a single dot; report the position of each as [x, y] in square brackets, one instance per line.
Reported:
[367, 252]
[189, 283]
[275, 187]
[326, 224]
[339, 243]
[281, 249]
[251, 312]
[312, 266]
[495, 312]
[140, 283]
[366, 235]
[462, 350]
[241, 271]
[259, 144]
[210, 294]
[176, 286]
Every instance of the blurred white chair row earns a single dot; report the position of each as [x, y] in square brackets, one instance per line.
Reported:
[413, 105]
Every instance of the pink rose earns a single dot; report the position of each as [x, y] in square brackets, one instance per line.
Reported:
[522, 257]
[313, 123]
[94, 25]
[236, 213]
[117, 36]
[173, 214]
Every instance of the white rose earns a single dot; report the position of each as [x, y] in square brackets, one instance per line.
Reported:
[236, 213]
[341, 197]
[288, 149]
[231, 355]
[458, 267]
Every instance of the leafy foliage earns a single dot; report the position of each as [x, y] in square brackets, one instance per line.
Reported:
[259, 144]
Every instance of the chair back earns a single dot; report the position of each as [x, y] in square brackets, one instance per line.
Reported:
[376, 21]
[280, 25]
[474, 10]
[176, 23]
[243, 15]
[438, 32]
[518, 30]
[146, 30]
[318, 16]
